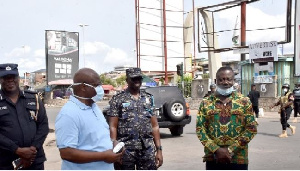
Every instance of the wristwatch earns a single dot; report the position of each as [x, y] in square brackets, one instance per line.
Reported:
[158, 148]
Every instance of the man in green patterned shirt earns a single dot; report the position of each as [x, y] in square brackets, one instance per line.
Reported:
[225, 125]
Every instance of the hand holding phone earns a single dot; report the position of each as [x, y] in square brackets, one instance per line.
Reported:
[17, 164]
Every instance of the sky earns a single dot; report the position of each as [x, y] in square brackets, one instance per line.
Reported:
[109, 38]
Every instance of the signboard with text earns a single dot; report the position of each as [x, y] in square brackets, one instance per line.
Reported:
[62, 54]
[263, 79]
[263, 51]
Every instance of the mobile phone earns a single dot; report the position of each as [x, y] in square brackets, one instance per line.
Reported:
[119, 147]
[16, 163]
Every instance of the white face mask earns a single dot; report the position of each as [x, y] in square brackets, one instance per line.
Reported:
[225, 92]
[285, 90]
[99, 92]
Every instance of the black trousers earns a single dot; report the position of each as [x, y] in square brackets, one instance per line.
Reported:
[37, 166]
[284, 117]
[212, 165]
[296, 107]
[255, 109]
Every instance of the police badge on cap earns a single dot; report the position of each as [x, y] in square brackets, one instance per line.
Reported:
[8, 69]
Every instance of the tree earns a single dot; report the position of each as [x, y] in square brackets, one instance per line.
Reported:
[121, 80]
[107, 81]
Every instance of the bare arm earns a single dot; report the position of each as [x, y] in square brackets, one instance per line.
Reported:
[156, 135]
[113, 127]
[81, 156]
[276, 104]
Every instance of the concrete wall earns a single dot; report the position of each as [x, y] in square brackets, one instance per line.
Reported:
[199, 88]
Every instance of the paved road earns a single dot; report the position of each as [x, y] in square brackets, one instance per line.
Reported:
[266, 150]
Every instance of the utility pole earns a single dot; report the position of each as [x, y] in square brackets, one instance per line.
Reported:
[243, 28]
[83, 25]
[137, 32]
[165, 42]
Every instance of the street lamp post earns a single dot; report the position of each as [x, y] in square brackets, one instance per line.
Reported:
[25, 74]
[83, 25]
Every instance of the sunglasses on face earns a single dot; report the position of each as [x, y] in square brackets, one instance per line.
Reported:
[136, 79]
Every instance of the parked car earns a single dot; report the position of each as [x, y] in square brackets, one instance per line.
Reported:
[170, 108]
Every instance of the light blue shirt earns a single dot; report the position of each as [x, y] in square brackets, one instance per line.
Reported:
[85, 128]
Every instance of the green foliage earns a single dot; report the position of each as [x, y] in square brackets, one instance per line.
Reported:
[121, 80]
[205, 76]
[187, 85]
[162, 80]
[107, 81]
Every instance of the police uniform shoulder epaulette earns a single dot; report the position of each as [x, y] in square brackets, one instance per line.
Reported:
[29, 91]
[29, 94]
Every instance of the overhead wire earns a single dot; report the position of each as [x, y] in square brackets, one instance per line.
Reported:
[161, 56]
[260, 29]
[159, 32]
[154, 25]
[159, 47]
[143, 41]
[155, 61]
[158, 16]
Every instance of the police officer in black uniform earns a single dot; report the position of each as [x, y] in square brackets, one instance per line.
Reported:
[296, 94]
[23, 123]
[133, 122]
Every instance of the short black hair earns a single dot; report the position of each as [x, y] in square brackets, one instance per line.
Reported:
[253, 85]
[224, 68]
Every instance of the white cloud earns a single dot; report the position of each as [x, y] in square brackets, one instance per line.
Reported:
[39, 53]
[92, 48]
[19, 51]
[103, 58]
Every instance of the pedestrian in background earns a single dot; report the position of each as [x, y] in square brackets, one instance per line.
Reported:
[285, 110]
[212, 90]
[133, 122]
[23, 122]
[236, 87]
[82, 133]
[225, 125]
[296, 94]
[254, 95]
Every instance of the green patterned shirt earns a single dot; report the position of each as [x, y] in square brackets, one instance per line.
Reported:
[229, 125]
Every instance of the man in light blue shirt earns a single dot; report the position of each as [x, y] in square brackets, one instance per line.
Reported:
[82, 133]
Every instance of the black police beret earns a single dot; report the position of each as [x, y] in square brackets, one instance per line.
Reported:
[8, 69]
[133, 72]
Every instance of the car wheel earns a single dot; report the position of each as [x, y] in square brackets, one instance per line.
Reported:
[176, 109]
[176, 130]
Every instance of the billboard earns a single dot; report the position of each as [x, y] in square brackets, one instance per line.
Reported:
[297, 38]
[62, 55]
[263, 51]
